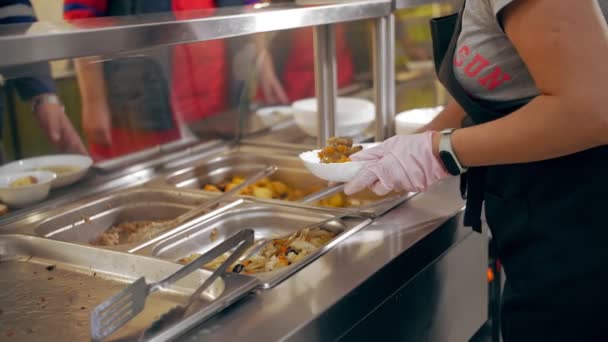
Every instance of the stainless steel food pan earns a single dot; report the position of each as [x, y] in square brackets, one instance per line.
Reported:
[49, 287]
[83, 223]
[335, 198]
[222, 168]
[268, 221]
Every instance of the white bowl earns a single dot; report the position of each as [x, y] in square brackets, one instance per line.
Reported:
[271, 115]
[25, 195]
[80, 162]
[332, 172]
[353, 115]
[411, 120]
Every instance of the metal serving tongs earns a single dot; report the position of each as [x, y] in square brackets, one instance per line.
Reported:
[177, 313]
[203, 208]
[114, 312]
[303, 231]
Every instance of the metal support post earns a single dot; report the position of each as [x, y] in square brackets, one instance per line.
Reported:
[380, 61]
[391, 102]
[326, 83]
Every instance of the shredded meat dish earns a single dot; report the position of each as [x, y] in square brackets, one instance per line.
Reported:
[338, 150]
[130, 232]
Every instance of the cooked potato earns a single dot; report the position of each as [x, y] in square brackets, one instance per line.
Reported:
[231, 186]
[261, 192]
[211, 187]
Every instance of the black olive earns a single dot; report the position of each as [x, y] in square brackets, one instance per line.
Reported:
[291, 249]
[238, 268]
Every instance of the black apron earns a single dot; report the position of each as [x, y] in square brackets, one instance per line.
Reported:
[548, 221]
[137, 86]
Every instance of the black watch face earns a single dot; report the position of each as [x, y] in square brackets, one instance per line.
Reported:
[449, 163]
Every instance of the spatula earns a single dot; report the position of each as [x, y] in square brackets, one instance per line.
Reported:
[114, 312]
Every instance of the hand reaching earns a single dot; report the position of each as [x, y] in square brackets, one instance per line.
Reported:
[401, 163]
[58, 128]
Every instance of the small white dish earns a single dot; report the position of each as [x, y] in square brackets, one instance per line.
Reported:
[78, 163]
[353, 115]
[332, 172]
[409, 121]
[22, 196]
[272, 115]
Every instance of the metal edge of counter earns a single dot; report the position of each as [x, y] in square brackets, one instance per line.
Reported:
[44, 41]
[327, 299]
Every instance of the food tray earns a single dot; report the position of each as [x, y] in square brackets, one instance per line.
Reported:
[53, 285]
[290, 171]
[330, 198]
[83, 223]
[268, 221]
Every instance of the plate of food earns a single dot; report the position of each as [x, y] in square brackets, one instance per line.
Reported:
[69, 168]
[332, 163]
[20, 189]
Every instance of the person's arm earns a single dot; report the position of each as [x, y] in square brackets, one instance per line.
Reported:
[96, 119]
[34, 83]
[450, 117]
[271, 85]
[565, 47]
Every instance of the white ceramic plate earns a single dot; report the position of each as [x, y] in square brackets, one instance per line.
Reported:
[271, 115]
[25, 195]
[80, 163]
[411, 120]
[333, 172]
[353, 115]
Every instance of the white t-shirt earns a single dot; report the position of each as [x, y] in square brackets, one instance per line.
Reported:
[485, 62]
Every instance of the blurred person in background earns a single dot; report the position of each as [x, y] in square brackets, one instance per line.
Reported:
[127, 105]
[35, 84]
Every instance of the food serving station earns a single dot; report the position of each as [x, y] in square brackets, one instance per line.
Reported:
[401, 268]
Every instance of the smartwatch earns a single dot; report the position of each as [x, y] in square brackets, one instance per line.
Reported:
[447, 155]
[44, 98]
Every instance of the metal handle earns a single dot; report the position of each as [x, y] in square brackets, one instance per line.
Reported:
[247, 238]
[228, 194]
[244, 237]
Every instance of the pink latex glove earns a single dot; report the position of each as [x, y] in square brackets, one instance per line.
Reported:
[401, 163]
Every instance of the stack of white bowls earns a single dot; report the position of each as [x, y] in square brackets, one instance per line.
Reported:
[411, 120]
[353, 115]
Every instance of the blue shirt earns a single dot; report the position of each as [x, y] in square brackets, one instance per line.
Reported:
[33, 79]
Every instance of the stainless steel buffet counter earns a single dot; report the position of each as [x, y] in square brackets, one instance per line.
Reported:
[415, 274]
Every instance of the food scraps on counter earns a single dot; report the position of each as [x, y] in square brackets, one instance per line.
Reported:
[338, 150]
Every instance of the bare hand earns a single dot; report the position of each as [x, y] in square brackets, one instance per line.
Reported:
[59, 129]
[97, 123]
[271, 86]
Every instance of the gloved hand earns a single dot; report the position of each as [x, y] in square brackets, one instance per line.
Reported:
[401, 163]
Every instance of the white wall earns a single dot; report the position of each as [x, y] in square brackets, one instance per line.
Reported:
[52, 10]
[48, 9]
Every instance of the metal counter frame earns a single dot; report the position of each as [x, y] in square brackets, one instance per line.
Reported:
[414, 274]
